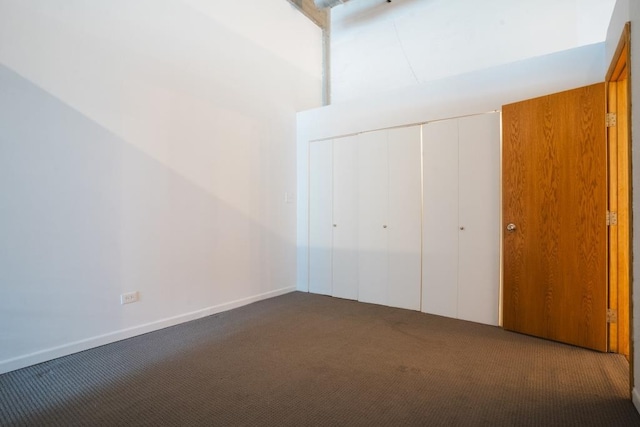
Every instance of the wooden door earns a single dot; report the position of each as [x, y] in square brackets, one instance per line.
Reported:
[554, 189]
[619, 137]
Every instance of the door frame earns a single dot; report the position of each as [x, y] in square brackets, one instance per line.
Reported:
[619, 175]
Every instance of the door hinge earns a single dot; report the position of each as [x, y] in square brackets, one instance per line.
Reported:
[611, 120]
[612, 218]
[612, 315]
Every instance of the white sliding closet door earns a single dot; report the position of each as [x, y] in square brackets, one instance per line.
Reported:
[440, 218]
[373, 190]
[320, 217]
[479, 201]
[389, 216]
[365, 217]
[404, 218]
[345, 218]
[461, 218]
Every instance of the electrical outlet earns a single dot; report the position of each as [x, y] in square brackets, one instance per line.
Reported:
[289, 197]
[129, 297]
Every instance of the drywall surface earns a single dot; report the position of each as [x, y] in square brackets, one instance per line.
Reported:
[619, 18]
[467, 94]
[144, 146]
[634, 13]
[378, 46]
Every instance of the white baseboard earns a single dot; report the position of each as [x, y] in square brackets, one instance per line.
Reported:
[77, 346]
[635, 397]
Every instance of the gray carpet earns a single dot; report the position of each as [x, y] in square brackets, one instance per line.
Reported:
[303, 359]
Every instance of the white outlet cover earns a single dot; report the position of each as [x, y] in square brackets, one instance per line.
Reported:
[128, 298]
[289, 197]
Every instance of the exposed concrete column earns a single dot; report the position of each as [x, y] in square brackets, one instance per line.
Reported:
[322, 18]
[308, 7]
[326, 62]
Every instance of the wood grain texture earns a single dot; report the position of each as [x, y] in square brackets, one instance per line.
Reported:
[619, 138]
[624, 219]
[612, 148]
[620, 278]
[554, 190]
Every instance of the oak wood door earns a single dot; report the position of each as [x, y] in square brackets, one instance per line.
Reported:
[619, 137]
[554, 187]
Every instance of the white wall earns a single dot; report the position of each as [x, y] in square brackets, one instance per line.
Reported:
[145, 146]
[378, 46]
[471, 93]
[619, 18]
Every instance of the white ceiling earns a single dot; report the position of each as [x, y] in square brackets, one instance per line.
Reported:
[378, 46]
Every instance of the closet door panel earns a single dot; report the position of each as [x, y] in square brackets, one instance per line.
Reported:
[404, 223]
[479, 200]
[345, 218]
[320, 217]
[440, 218]
[372, 217]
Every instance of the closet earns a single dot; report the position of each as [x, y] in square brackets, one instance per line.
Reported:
[389, 217]
[461, 218]
[320, 217]
[365, 217]
[345, 218]
[409, 217]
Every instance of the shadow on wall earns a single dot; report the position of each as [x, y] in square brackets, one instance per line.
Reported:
[87, 216]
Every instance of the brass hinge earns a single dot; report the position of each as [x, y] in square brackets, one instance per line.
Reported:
[611, 120]
[612, 218]
[612, 315]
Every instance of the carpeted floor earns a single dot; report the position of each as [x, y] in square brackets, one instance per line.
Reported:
[303, 359]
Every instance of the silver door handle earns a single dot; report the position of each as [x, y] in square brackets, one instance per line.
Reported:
[511, 228]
